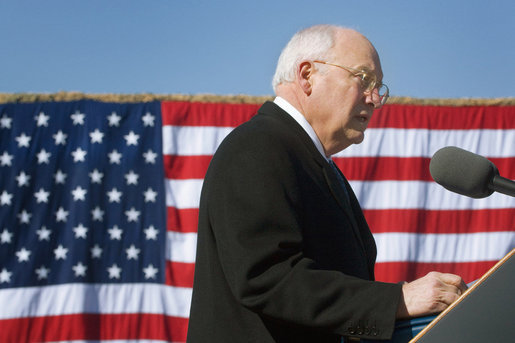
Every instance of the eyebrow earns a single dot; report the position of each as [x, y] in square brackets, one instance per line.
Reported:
[364, 68]
[368, 70]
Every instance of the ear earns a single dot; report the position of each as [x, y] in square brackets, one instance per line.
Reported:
[305, 72]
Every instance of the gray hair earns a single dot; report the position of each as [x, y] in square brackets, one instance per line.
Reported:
[309, 44]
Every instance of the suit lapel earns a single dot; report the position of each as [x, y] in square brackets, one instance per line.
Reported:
[330, 179]
[343, 201]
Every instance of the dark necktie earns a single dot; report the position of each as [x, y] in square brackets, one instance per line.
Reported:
[340, 180]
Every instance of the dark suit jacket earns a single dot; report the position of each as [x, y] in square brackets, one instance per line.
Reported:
[282, 255]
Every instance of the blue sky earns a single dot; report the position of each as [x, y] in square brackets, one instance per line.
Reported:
[428, 49]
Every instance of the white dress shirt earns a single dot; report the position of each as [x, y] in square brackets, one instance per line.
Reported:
[299, 118]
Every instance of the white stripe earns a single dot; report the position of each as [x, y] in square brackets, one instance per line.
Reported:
[181, 247]
[421, 194]
[424, 142]
[193, 140]
[397, 246]
[183, 194]
[91, 298]
[471, 247]
[204, 140]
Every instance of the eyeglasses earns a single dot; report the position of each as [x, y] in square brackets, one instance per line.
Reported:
[379, 91]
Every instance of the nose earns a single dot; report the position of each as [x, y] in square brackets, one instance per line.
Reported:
[373, 98]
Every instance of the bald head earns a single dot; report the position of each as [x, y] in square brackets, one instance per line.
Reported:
[322, 83]
[313, 43]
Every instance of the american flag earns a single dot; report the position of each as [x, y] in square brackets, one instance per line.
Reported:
[99, 205]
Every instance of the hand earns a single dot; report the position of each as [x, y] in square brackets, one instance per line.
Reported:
[430, 294]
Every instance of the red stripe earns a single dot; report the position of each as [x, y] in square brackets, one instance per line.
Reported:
[180, 274]
[394, 116]
[94, 327]
[440, 221]
[186, 167]
[403, 168]
[444, 117]
[354, 168]
[505, 166]
[384, 168]
[185, 220]
[409, 271]
[182, 113]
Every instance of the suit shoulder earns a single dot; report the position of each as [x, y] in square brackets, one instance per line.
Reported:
[261, 132]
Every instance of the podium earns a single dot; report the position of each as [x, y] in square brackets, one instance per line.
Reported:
[484, 313]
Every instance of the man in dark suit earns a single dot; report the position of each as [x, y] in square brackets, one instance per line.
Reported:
[284, 252]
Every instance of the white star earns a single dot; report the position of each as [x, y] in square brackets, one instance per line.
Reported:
[41, 195]
[23, 254]
[114, 272]
[114, 195]
[97, 214]
[5, 236]
[115, 233]
[79, 155]
[150, 157]
[114, 119]
[61, 215]
[151, 233]
[148, 119]
[79, 269]
[60, 138]
[79, 193]
[24, 217]
[5, 198]
[42, 119]
[42, 272]
[6, 159]
[96, 176]
[131, 138]
[60, 252]
[60, 177]
[132, 252]
[43, 234]
[80, 231]
[23, 179]
[132, 178]
[96, 251]
[96, 136]
[150, 272]
[150, 195]
[78, 118]
[43, 156]
[5, 122]
[114, 157]
[132, 215]
[23, 140]
[5, 276]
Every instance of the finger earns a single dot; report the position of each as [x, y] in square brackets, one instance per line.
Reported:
[452, 289]
[454, 280]
[448, 298]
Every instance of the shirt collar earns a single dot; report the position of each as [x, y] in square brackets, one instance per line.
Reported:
[299, 118]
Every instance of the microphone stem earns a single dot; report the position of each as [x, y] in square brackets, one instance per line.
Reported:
[503, 185]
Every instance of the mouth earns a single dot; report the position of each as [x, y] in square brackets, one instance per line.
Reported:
[364, 118]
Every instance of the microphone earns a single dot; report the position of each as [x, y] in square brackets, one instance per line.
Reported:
[466, 173]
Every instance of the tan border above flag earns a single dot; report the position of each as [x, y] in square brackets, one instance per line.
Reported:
[237, 99]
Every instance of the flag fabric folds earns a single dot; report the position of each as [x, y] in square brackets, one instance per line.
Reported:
[99, 205]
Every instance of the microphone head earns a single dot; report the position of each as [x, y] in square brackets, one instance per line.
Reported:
[463, 172]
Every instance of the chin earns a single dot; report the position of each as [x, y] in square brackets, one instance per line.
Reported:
[358, 139]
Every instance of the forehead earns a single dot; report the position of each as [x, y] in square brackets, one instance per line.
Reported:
[352, 49]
